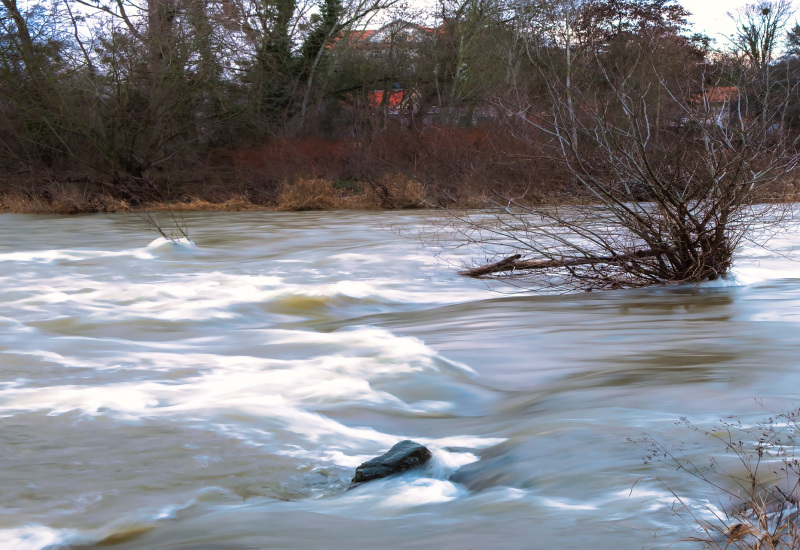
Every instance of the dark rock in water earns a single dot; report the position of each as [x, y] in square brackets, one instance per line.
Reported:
[404, 456]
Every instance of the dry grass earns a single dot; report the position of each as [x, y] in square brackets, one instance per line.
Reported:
[398, 191]
[386, 192]
[432, 167]
[308, 194]
[301, 194]
[236, 203]
[756, 479]
[59, 203]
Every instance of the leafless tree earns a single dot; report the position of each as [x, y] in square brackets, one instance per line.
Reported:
[670, 173]
[758, 29]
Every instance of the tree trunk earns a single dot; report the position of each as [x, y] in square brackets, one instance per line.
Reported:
[512, 263]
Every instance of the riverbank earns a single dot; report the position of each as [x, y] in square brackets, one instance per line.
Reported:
[393, 192]
[437, 166]
[389, 192]
[454, 167]
[304, 195]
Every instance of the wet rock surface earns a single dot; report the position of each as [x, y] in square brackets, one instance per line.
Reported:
[406, 455]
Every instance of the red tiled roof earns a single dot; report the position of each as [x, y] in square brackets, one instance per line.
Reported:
[352, 37]
[395, 98]
[721, 94]
[358, 36]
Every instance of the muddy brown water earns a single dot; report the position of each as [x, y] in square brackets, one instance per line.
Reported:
[219, 396]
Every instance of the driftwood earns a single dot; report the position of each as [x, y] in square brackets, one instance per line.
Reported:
[513, 263]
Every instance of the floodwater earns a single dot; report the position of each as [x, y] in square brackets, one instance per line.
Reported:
[219, 395]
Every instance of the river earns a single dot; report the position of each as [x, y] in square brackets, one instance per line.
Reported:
[219, 395]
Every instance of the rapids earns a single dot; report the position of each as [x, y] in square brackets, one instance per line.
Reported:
[218, 393]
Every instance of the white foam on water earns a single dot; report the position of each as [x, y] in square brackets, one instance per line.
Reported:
[333, 362]
[338, 458]
[423, 491]
[751, 275]
[67, 255]
[199, 294]
[398, 493]
[162, 243]
[638, 499]
[466, 441]
[42, 537]
[152, 250]
[662, 499]
[753, 264]
[338, 370]
[562, 504]
[210, 295]
[391, 351]
[38, 537]
[427, 259]
[444, 463]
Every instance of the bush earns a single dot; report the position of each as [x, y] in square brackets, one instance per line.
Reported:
[308, 194]
[397, 191]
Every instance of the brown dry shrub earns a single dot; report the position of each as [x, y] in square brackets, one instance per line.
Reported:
[457, 165]
[19, 203]
[236, 203]
[288, 158]
[387, 191]
[397, 191]
[432, 165]
[308, 194]
[76, 198]
[61, 198]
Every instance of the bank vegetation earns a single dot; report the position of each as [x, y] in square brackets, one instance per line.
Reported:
[297, 104]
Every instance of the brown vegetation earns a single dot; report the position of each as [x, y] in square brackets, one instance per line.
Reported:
[436, 166]
[196, 101]
[755, 476]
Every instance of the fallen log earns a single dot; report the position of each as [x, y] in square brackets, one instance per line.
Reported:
[503, 265]
[513, 263]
